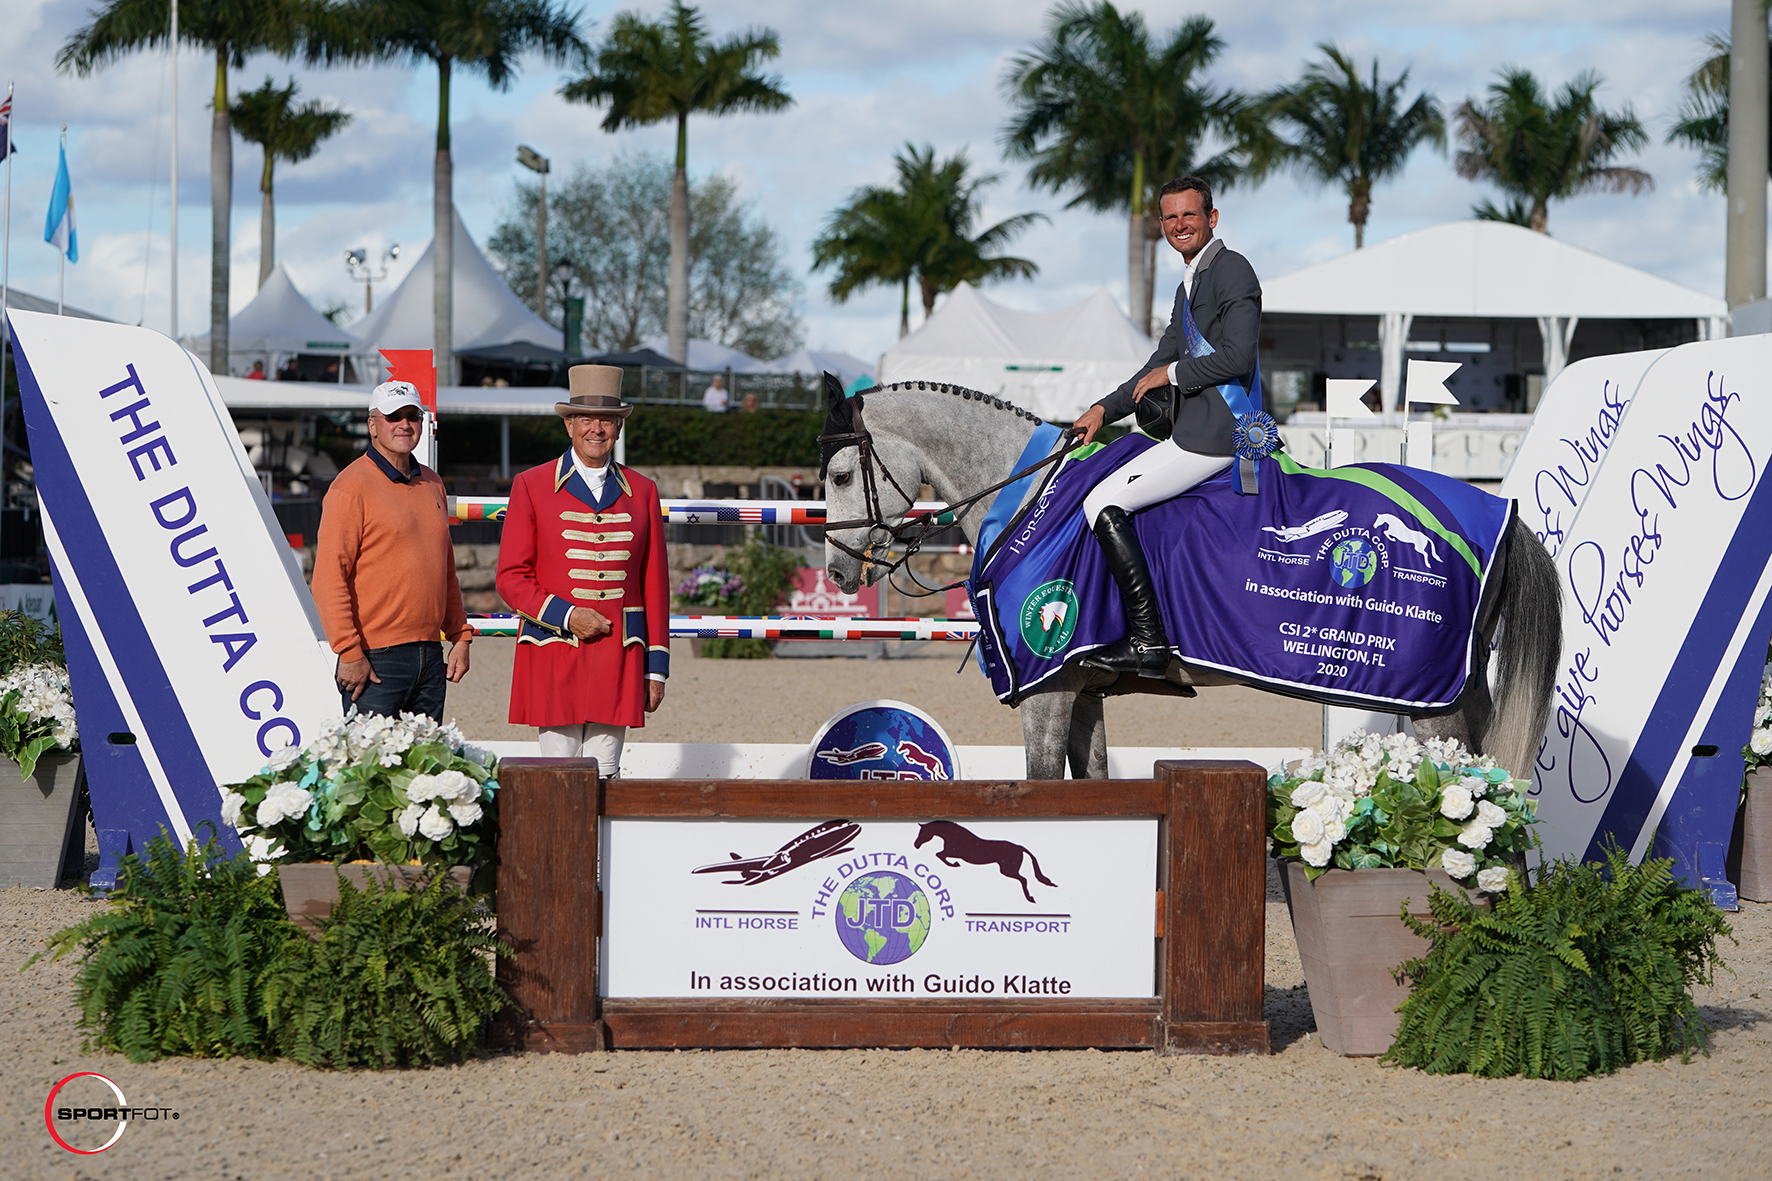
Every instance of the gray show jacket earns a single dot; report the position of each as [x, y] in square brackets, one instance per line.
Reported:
[1227, 308]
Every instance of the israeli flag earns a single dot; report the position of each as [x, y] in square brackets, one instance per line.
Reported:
[59, 229]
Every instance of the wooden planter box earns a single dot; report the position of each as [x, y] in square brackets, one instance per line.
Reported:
[311, 889]
[1351, 940]
[1756, 838]
[37, 820]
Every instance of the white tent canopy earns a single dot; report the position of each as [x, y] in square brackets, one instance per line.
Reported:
[1054, 363]
[280, 322]
[705, 356]
[1484, 269]
[817, 361]
[487, 312]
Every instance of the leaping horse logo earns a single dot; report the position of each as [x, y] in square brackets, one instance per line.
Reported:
[969, 847]
[1395, 530]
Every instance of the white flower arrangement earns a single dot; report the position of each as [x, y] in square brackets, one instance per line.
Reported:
[1394, 802]
[36, 715]
[371, 788]
[1758, 751]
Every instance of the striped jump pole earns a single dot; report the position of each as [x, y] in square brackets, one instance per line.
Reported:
[701, 512]
[776, 627]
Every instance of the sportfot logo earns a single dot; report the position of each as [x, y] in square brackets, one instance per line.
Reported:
[83, 1119]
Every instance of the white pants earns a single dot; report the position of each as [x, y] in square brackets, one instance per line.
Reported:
[1163, 471]
[587, 740]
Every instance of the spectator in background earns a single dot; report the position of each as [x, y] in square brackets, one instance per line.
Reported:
[384, 573]
[750, 403]
[258, 372]
[714, 398]
[290, 371]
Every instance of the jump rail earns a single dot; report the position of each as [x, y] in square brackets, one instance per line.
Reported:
[700, 512]
[772, 627]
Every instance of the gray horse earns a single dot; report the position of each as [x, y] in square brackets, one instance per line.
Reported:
[959, 441]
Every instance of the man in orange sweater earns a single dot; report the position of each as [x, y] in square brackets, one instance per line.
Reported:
[384, 574]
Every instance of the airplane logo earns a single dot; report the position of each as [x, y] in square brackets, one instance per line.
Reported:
[824, 840]
[916, 756]
[864, 753]
[1311, 527]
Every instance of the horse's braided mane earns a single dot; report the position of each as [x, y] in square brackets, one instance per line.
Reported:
[959, 391]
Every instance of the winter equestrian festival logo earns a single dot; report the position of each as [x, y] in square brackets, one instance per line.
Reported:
[883, 917]
[1049, 617]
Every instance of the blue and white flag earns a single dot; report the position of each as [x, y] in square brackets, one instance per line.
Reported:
[59, 229]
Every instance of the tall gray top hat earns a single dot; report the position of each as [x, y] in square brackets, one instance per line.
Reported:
[594, 389]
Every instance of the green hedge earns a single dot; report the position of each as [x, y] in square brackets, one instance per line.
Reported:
[659, 435]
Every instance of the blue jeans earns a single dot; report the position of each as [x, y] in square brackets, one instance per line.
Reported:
[413, 680]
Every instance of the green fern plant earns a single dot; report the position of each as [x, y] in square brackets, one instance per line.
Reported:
[180, 962]
[1588, 971]
[395, 978]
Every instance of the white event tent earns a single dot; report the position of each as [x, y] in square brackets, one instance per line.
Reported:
[487, 312]
[277, 323]
[705, 356]
[1483, 270]
[1055, 364]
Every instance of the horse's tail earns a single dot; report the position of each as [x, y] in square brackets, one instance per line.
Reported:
[1035, 861]
[1531, 618]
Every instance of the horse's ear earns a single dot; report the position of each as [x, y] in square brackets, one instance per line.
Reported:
[833, 392]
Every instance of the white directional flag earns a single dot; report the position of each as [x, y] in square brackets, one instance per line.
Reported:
[1343, 394]
[1426, 382]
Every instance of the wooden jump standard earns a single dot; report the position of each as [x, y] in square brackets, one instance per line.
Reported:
[1210, 914]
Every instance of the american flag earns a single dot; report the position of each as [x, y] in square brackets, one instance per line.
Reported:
[6, 125]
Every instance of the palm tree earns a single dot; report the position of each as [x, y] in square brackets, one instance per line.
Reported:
[269, 118]
[649, 72]
[1540, 150]
[922, 230]
[1351, 132]
[1702, 121]
[231, 29]
[1105, 111]
[477, 36]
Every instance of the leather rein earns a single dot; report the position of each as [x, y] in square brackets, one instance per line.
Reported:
[911, 531]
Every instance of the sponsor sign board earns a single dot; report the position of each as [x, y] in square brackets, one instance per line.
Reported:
[882, 740]
[194, 651]
[1653, 492]
[979, 907]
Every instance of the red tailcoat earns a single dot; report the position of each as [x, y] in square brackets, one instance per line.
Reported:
[562, 549]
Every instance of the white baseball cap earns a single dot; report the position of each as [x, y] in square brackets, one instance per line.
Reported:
[390, 396]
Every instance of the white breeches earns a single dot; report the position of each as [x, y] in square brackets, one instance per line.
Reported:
[1161, 472]
[587, 740]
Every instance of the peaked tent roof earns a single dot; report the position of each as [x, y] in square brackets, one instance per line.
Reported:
[487, 311]
[816, 361]
[707, 357]
[1482, 268]
[26, 302]
[279, 319]
[1053, 363]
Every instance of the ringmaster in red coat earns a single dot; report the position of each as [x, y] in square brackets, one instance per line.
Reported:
[582, 560]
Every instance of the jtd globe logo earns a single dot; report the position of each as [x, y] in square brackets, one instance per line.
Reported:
[883, 917]
[1353, 563]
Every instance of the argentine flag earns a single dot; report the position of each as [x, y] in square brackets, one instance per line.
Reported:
[60, 226]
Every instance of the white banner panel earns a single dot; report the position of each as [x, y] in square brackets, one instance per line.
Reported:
[1664, 569]
[193, 643]
[983, 908]
[1577, 419]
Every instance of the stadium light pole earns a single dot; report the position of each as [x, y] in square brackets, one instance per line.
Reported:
[539, 164]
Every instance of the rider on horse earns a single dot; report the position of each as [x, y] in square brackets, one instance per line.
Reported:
[1220, 294]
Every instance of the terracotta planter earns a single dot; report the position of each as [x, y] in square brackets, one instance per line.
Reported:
[309, 890]
[1351, 940]
[1756, 838]
[37, 820]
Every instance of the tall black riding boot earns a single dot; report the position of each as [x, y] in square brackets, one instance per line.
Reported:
[1145, 650]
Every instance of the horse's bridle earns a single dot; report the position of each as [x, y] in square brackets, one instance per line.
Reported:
[913, 530]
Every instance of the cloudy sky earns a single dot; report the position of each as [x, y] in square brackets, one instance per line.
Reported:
[866, 79]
